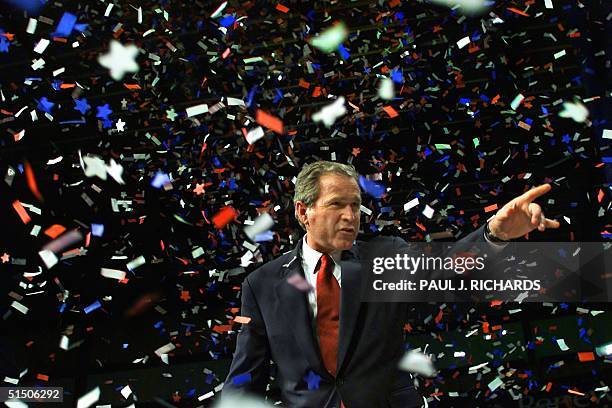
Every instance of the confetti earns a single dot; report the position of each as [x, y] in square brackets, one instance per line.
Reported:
[330, 113]
[120, 60]
[386, 90]
[575, 111]
[268, 121]
[262, 223]
[418, 363]
[89, 399]
[330, 39]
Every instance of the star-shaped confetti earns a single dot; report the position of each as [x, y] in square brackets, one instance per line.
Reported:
[94, 166]
[330, 113]
[120, 125]
[199, 189]
[574, 110]
[45, 105]
[5, 257]
[312, 379]
[103, 111]
[4, 44]
[120, 60]
[171, 114]
[81, 105]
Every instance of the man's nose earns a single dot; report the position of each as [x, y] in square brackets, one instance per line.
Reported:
[348, 212]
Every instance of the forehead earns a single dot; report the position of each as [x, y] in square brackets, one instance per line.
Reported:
[338, 185]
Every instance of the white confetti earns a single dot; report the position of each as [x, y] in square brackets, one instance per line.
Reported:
[165, 349]
[463, 42]
[574, 110]
[18, 306]
[468, 7]
[197, 110]
[254, 135]
[330, 39]
[133, 264]
[493, 385]
[41, 46]
[261, 224]
[330, 113]
[112, 273]
[120, 59]
[126, 391]
[32, 23]
[89, 399]
[48, 258]
[411, 204]
[386, 89]
[562, 345]
[418, 363]
[517, 101]
[428, 211]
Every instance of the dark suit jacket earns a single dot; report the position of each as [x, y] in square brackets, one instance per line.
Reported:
[371, 338]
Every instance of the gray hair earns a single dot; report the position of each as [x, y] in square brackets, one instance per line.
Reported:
[307, 186]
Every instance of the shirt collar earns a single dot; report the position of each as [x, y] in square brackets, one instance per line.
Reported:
[312, 256]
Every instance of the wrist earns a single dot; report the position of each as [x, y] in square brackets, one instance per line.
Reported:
[491, 236]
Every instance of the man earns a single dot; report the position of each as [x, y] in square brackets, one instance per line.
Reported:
[331, 349]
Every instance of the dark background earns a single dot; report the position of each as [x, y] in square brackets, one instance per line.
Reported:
[444, 96]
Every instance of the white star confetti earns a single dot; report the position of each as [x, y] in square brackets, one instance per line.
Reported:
[330, 39]
[120, 60]
[330, 113]
[574, 110]
[120, 125]
[94, 166]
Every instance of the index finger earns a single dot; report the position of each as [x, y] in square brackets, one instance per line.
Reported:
[536, 192]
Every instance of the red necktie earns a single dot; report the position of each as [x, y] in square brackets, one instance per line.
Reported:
[328, 312]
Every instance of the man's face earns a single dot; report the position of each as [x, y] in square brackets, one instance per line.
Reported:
[332, 223]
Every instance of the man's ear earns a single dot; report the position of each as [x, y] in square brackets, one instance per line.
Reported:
[300, 212]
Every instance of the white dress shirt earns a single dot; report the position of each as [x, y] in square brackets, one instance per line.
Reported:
[310, 259]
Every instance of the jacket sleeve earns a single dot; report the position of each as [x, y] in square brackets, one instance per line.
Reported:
[249, 371]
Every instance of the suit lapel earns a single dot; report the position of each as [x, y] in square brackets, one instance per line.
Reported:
[350, 301]
[295, 310]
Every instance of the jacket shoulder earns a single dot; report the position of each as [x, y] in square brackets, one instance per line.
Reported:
[270, 270]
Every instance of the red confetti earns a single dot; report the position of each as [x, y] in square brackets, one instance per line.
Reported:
[224, 217]
[55, 230]
[586, 356]
[282, 8]
[31, 180]
[269, 121]
[25, 218]
[390, 111]
[490, 208]
[517, 11]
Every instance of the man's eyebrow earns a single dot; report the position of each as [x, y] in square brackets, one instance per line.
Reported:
[344, 198]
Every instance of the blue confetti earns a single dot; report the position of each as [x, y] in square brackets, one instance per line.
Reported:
[95, 305]
[242, 379]
[312, 379]
[371, 187]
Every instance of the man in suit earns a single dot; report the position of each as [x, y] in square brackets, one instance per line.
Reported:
[331, 349]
